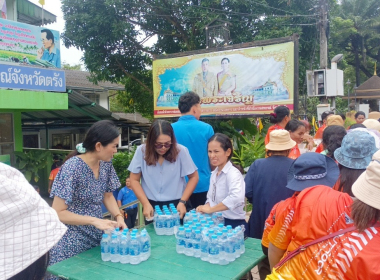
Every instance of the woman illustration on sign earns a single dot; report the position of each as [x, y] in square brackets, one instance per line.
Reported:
[226, 79]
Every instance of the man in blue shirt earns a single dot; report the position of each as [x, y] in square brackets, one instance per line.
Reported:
[49, 52]
[194, 135]
[125, 196]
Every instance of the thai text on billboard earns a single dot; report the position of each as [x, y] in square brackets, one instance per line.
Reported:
[22, 43]
[246, 81]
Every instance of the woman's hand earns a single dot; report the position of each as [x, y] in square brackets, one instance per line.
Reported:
[148, 211]
[204, 209]
[104, 224]
[181, 209]
[120, 222]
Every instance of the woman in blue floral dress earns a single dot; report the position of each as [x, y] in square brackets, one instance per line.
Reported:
[82, 184]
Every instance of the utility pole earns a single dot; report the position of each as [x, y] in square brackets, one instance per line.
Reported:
[323, 25]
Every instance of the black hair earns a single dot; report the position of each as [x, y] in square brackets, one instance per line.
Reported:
[225, 142]
[225, 58]
[281, 112]
[343, 116]
[35, 271]
[357, 125]
[204, 60]
[358, 113]
[293, 125]
[347, 178]
[326, 114]
[49, 34]
[187, 100]
[59, 163]
[102, 131]
[332, 138]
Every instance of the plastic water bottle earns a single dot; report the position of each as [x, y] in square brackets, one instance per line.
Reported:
[222, 254]
[145, 245]
[134, 250]
[187, 217]
[240, 237]
[229, 228]
[124, 250]
[214, 218]
[114, 249]
[220, 218]
[205, 247]
[188, 243]
[177, 222]
[159, 224]
[229, 248]
[213, 250]
[105, 249]
[180, 236]
[237, 244]
[197, 243]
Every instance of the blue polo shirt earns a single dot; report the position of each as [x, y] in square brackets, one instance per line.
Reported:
[127, 196]
[194, 135]
[54, 57]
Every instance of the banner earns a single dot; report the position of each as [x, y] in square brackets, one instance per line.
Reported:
[32, 78]
[246, 81]
[22, 43]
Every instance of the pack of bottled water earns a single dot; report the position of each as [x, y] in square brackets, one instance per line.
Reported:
[126, 246]
[166, 220]
[203, 237]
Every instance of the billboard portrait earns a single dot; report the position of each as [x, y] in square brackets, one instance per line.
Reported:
[245, 81]
[22, 43]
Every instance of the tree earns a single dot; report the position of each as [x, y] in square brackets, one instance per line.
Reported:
[67, 66]
[113, 35]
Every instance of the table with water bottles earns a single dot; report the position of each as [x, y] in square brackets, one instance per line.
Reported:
[172, 252]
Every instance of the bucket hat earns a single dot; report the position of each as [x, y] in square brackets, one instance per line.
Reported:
[372, 124]
[279, 140]
[334, 120]
[356, 150]
[29, 227]
[312, 169]
[367, 186]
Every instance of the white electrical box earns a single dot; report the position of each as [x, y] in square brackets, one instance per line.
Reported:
[325, 82]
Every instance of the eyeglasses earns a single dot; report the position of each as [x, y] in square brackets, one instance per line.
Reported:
[160, 146]
[213, 192]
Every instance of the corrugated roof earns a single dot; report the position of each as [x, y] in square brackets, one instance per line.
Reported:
[30, 13]
[76, 79]
[133, 116]
[371, 87]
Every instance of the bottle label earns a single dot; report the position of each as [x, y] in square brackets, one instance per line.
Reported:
[180, 242]
[214, 251]
[124, 251]
[188, 245]
[196, 246]
[105, 249]
[134, 251]
[114, 250]
[145, 247]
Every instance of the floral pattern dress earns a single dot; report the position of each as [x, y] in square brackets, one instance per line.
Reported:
[83, 194]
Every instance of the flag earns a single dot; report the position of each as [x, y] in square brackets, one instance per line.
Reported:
[314, 123]
[42, 2]
[260, 125]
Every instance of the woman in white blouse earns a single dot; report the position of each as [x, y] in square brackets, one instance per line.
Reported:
[227, 187]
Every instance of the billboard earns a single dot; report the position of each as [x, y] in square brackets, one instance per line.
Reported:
[29, 44]
[32, 78]
[239, 81]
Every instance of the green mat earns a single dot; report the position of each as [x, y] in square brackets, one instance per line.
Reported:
[164, 263]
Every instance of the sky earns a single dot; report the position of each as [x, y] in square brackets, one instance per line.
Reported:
[71, 56]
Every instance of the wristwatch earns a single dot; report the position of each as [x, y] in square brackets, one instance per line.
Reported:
[183, 201]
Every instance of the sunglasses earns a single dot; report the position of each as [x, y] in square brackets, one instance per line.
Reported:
[160, 146]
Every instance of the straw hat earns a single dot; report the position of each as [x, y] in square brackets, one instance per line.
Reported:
[312, 169]
[367, 186]
[279, 140]
[334, 120]
[28, 226]
[372, 124]
[356, 150]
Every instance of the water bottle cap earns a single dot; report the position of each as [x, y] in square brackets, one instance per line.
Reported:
[220, 225]
[125, 230]
[186, 225]
[181, 228]
[214, 236]
[135, 230]
[194, 215]
[206, 226]
[208, 218]
[117, 229]
[124, 234]
[224, 230]
[229, 227]
[198, 224]
[123, 237]
[194, 227]
[190, 223]
[197, 231]
[219, 214]
[114, 236]
[211, 231]
[238, 228]
[188, 230]
[219, 233]
[193, 211]
[175, 211]
[105, 235]
[229, 234]
[210, 222]
[133, 236]
[171, 204]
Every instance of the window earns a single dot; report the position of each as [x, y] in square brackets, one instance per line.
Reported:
[61, 141]
[94, 97]
[6, 134]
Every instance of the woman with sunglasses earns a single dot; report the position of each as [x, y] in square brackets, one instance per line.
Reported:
[227, 187]
[162, 165]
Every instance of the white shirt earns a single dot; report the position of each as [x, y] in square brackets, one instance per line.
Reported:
[228, 188]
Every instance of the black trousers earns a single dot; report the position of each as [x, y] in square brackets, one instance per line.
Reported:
[197, 199]
[130, 217]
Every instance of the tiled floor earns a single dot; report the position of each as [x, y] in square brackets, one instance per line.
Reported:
[255, 273]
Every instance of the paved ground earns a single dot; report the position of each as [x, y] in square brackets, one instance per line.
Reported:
[255, 273]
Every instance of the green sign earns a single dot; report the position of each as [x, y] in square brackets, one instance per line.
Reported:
[5, 159]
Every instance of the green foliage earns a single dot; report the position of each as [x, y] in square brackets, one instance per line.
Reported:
[120, 162]
[67, 66]
[29, 163]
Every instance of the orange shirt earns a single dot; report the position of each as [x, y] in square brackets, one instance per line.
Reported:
[318, 212]
[294, 152]
[270, 129]
[53, 173]
[319, 133]
[278, 208]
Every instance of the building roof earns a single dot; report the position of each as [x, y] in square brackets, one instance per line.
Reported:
[76, 79]
[132, 116]
[369, 89]
[30, 13]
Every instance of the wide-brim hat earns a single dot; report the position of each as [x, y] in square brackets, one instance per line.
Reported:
[279, 140]
[312, 169]
[334, 120]
[372, 124]
[29, 227]
[356, 150]
[367, 186]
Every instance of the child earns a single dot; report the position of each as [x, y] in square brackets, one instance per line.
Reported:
[125, 196]
[227, 187]
[54, 173]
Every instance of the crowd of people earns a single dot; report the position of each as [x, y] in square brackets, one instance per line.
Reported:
[316, 211]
